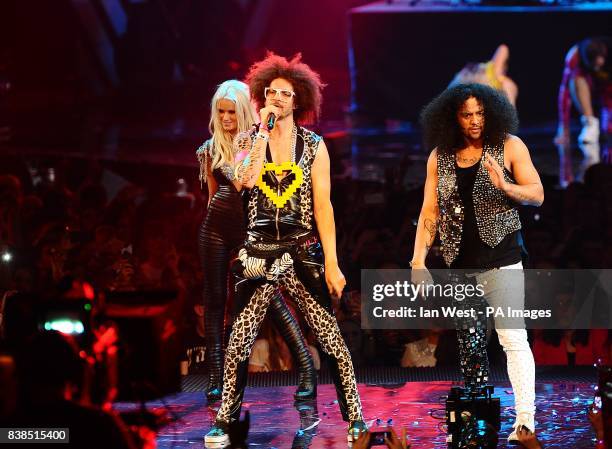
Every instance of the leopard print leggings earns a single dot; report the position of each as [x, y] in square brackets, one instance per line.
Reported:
[304, 282]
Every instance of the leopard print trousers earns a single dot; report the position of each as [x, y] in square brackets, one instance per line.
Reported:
[321, 321]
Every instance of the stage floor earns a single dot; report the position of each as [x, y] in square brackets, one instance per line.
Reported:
[276, 423]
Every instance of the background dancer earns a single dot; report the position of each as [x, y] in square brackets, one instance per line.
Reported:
[492, 73]
[587, 86]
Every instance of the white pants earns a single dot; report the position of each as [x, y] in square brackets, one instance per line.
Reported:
[502, 289]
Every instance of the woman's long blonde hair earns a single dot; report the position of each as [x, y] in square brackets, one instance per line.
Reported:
[221, 147]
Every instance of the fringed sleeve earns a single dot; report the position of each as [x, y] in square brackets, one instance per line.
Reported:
[203, 155]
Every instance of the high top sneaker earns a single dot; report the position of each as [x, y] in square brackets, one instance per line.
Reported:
[522, 420]
[590, 129]
[217, 437]
[356, 428]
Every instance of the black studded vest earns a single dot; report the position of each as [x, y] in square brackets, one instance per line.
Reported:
[295, 219]
[496, 215]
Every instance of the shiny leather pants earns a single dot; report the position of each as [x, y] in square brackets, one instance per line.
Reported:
[471, 337]
[223, 230]
[304, 282]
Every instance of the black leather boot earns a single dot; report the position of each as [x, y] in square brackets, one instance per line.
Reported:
[309, 421]
[214, 354]
[290, 330]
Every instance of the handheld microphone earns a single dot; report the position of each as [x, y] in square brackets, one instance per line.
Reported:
[271, 121]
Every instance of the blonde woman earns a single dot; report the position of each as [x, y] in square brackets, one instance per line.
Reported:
[223, 230]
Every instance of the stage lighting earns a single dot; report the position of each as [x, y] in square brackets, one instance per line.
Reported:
[71, 316]
[65, 326]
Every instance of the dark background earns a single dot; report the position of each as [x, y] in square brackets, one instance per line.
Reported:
[404, 56]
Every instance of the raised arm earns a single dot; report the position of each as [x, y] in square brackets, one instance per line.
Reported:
[324, 218]
[428, 218]
[250, 157]
[500, 60]
[564, 100]
[251, 153]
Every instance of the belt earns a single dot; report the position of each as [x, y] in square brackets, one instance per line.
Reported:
[265, 249]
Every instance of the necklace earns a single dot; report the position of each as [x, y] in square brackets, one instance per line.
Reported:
[467, 160]
[293, 142]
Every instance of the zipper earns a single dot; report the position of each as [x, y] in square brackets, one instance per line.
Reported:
[316, 264]
[238, 283]
[277, 213]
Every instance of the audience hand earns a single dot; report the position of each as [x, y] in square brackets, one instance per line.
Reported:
[396, 442]
[363, 441]
[528, 439]
[596, 419]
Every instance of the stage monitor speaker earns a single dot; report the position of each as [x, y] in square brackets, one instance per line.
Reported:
[472, 415]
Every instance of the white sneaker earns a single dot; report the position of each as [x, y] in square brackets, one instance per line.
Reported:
[355, 430]
[590, 129]
[522, 420]
[217, 437]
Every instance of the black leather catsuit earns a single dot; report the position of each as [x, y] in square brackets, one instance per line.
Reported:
[222, 230]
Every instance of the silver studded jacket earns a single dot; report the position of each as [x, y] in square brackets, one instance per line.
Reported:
[496, 215]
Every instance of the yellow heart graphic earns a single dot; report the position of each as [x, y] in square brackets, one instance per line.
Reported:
[279, 201]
